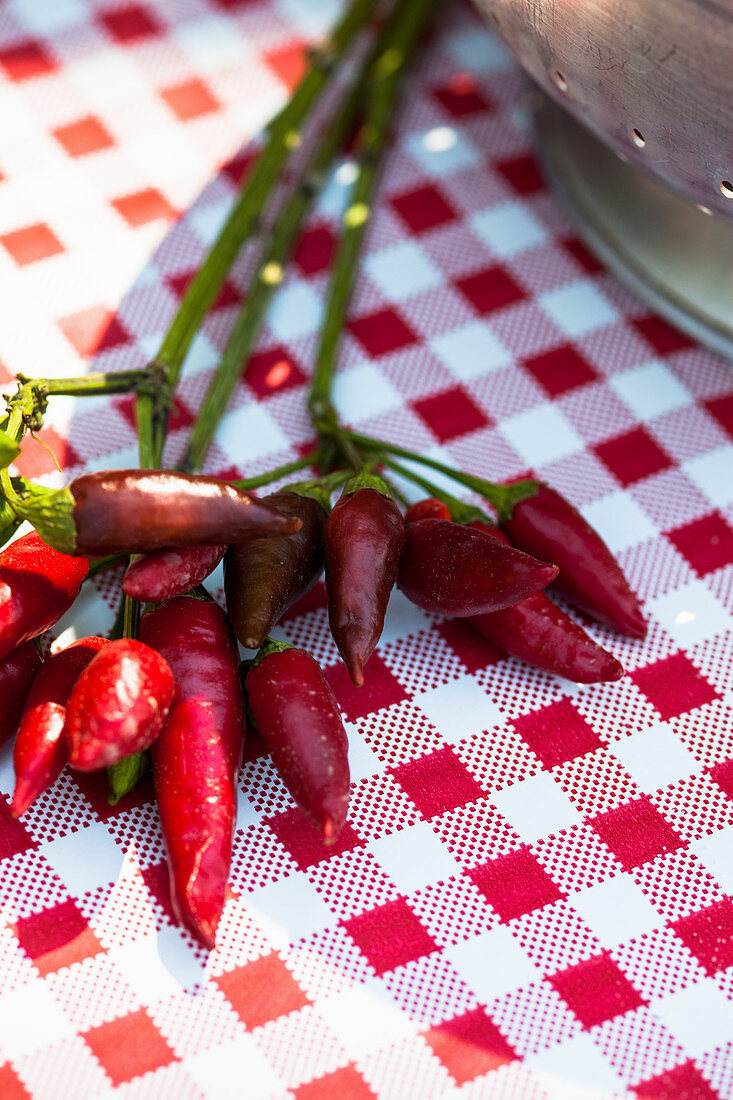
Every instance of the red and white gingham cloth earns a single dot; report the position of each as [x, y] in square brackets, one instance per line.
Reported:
[532, 897]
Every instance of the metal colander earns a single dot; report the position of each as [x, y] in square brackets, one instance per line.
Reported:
[651, 81]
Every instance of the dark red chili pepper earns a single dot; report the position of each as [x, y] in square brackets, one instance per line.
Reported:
[118, 705]
[17, 672]
[362, 541]
[451, 569]
[299, 720]
[264, 577]
[162, 574]
[429, 508]
[37, 586]
[536, 631]
[197, 756]
[40, 749]
[132, 511]
[590, 578]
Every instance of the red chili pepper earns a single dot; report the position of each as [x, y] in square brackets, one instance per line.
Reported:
[264, 577]
[197, 756]
[162, 574]
[450, 569]
[40, 749]
[132, 511]
[590, 578]
[17, 672]
[299, 720]
[363, 539]
[118, 705]
[37, 586]
[536, 631]
[429, 508]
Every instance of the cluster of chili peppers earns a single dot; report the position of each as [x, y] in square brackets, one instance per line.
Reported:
[179, 689]
[168, 686]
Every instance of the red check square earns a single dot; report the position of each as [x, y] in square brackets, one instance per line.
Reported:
[515, 884]
[633, 456]
[26, 60]
[261, 990]
[438, 782]
[461, 97]
[191, 99]
[129, 1046]
[422, 209]
[723, 775]
[11, 1086]
[469, 1045]
[722, 409]
[380, 689]
[130, 23]
[390, 935]
[684, 1082]
[557, 733]
[707, 543]
[636, 832]
[470, 647]
[143, 207]
[315, 250]
[490, 290]
[674, 686]
[273, 371]
[31, 244]
[450, 414]
[86, 135]
[305, 843]
[382, 332]
[596, 990]
[343, 1084]
[522, 173]
[708, 934]
[560, 370]
[13, 837]
[49, 929]
[663, 337]
[94, 329]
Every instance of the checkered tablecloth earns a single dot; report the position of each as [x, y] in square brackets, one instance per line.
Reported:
[532, 897]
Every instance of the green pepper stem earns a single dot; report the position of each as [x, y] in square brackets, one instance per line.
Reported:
[502, 497]
[385, 78]
[283, 135]
[459, 510]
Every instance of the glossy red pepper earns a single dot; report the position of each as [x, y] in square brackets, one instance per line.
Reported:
[163, 574]
[450, 569]
[536, 631]
[197, 756]
[40, 749]
[17, 673]
[131, 511]
[37, 586]
[299, 720]
[590, 578]
[264, 577]
[429, 508]
[118, 705]
[363, 539]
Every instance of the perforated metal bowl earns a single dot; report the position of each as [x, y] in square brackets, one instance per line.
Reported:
[650, 81]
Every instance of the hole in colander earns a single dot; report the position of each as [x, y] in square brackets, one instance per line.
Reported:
[638, 138]
[726, 188]
[560, 80]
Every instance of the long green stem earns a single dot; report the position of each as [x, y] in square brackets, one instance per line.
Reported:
[279, 471]
[268, 277]
[385, 81]
[502, 497]
[283, 135]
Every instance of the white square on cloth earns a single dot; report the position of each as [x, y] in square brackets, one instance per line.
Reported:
[536, 807]
[578, 309]
[616, 910]
[541, 435]
[471, 350]
[493, 964]
[700, 1016]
